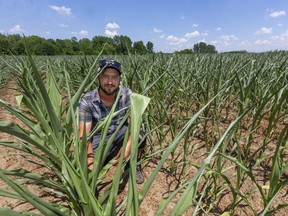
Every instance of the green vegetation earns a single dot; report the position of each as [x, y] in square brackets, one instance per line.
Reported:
[5, 71]
[118, 45]
[229, 108]
[204, 48]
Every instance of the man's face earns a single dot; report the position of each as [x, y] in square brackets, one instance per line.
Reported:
[109, 81]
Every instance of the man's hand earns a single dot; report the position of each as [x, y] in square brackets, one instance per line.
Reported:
[126, 153]
[90, 162]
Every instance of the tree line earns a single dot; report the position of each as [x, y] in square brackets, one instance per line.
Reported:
[117, 45]
[200, 48]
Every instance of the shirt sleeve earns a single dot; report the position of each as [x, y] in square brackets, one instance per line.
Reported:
[85, 114]
[126, 97]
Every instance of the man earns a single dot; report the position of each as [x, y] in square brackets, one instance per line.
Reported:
[96, 105]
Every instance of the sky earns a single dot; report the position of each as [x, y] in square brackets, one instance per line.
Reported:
[171, 25]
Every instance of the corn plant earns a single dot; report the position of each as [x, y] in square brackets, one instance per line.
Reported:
[49, 132]
[234, 106]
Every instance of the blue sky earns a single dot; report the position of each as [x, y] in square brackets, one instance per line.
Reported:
[252, 25]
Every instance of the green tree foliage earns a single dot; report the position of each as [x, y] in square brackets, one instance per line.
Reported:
[14, 44]
[64, 46]
[236, 52]
[4, 44]
[139, 47]
[149, 47]
[185, 51]
[86, 47]
[204, 48]
[75, 46]
[49, 47]
[123, 44]
[106, 43]
[118, 45]
[36, 44]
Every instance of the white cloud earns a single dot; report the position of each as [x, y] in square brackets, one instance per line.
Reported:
[175, 40]
[195, 25]
[112, 26]
[228, 37]
[16, 29]
[282, 37]
[277, 14]
[157, 30]
[245, 44]
[264, 30]
[110, 29]
[280, 41]
[63, 25]
[110, 33]
[61, 10]
[228, 44]
[192, 34]
[82, 33]
[225, 42]
[172, 38]
[262, 42]
[2, 31]
[162, 36]
[218, 29]
[215, 42]
[205, 34]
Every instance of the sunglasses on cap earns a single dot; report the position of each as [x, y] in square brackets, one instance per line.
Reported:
[110, 63]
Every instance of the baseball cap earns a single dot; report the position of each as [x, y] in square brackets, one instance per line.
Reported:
[110, 63]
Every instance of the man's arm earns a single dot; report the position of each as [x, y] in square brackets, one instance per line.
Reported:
[90, 153]
[127, 151]
[128, 148]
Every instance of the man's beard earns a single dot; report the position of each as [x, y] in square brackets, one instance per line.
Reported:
[108, 91]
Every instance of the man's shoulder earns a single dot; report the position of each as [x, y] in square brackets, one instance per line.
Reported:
[126, 91]
[93, 94]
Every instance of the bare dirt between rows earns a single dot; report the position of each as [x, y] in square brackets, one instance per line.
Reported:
[164, 184]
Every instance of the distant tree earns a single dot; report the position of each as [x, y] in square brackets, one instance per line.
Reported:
[35, 44]
[185, 51]
[110, 49]
[106, 44]
[75, 46]
[211, 49]
[204, 48]
[150, 47]
[139, 48]
[86, 47]
[196, 48]
[40, 46]
[64, 46]
[49, 47]
[15, 44]
[123, 44]
[20, 47]
[4, 45]
[237, 51]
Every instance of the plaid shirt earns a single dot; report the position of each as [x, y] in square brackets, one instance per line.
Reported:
[91, 109]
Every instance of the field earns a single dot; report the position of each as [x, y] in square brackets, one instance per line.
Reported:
[216, 125]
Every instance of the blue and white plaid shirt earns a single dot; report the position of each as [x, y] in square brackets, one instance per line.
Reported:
[91, 109]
